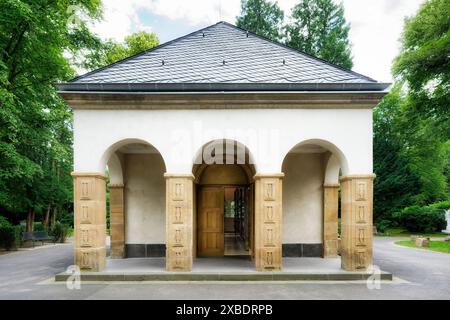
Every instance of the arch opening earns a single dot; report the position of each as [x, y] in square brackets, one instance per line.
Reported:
[223, 171]
[308, 167]
[135, 199]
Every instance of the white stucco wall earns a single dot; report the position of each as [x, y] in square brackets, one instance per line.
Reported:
[303, 198]
[269, 134]
[144, 199]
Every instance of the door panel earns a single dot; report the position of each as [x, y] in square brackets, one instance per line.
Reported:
[210, 222]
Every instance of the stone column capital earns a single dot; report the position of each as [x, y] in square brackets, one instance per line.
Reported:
[279, 175]
[370, 176]
[116, 185]
[331, 185]
[89, 174]
[179, 176]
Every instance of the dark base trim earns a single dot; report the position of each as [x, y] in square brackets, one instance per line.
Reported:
[310, 250]
[145, 250]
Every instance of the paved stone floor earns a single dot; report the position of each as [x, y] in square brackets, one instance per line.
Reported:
[234, 246]
[420, 275]
[226, 264]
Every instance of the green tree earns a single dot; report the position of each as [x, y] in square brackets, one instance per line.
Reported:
[113, 51]
[319, 28]
[424, 62]
[423, 65]
[262, 17]
[35, 124]
[397, 184]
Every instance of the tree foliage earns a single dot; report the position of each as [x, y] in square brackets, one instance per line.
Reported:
[262, 17]
[423, 65]
[112, 51]
[411, 125]
[319, 28]
[396, 185]
[39, 42]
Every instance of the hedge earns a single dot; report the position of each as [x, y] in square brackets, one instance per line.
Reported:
[424, 219]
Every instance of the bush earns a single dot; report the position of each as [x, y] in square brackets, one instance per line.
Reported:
[38, 226]
[60, 231]
[382, 225]
[10, 235]
[67, 219]
[423, 219]
[444, 205]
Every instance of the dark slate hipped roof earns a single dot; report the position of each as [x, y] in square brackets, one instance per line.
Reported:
[222, 56]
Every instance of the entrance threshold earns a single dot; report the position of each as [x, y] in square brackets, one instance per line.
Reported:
[224, 269]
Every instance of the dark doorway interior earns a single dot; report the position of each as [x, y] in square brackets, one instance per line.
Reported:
[236, 220]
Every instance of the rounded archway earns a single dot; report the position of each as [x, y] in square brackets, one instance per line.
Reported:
[224, 171]
[136, 200]
[310, 168]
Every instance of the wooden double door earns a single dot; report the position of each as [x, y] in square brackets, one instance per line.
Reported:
[210, 221]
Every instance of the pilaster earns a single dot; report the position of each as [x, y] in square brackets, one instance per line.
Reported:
[268, 221]
[90, 220]
[117, 221]
[356, 222]
[330, 220]
[179, 221]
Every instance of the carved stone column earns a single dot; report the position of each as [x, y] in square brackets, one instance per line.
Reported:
[116, 221]
[356, 222]
[179, 222]
[90, 220]
[330, 220]
[268, 221]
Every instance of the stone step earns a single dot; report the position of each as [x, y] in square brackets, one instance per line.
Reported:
[196, 276]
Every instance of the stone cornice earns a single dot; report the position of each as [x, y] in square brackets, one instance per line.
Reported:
[222, 100]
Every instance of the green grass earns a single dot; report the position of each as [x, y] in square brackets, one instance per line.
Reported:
[439, 246]
[403, 233]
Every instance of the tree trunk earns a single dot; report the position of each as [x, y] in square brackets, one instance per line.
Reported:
[30, 220]
[47, 217]
[53, 217]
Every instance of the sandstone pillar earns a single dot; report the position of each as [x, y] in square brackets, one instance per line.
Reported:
[179, 222]
[356, 222]
[90, 220]
[330, 220]
[116, 221]
[268, 221]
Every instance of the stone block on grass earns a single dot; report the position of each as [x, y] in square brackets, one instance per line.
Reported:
[422, 242]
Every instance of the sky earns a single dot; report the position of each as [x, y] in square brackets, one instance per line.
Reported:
[376, 25]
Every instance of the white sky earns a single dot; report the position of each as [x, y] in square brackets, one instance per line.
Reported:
[376, 25]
